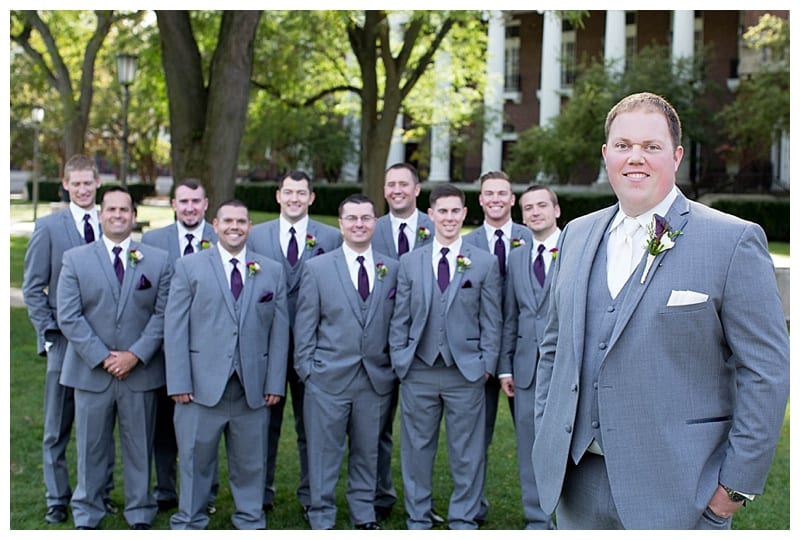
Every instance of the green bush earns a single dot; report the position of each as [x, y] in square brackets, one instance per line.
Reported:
[261, 196]
[769, 212]
[50, 190]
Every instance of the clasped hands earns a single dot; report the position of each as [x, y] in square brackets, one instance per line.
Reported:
[120, 363]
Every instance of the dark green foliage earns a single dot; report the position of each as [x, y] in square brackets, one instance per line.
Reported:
[769, 212]
[50, 190]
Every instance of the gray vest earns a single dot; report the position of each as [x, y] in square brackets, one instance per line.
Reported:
[601, 318]
[236, 365]
[433, 340]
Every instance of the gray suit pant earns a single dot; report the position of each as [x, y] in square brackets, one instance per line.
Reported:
[95, 413]
[426, 394]
[357, 414]
[198, 430]
[535, 517]
[59, 415]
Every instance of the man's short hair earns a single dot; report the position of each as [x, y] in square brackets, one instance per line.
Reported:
[79, 162]
[356, 198]
[540, 187]
[407, 166]
[445, 190]
[297, 176]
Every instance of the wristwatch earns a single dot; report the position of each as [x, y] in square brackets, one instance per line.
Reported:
[735, 496]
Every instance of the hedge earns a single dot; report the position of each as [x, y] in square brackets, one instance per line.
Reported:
[772, 213]
[50, 190]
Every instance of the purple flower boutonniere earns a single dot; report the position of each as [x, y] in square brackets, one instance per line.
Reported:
[204, 244]
[252, 268]
[517, 242]
[659, 239]
[311, 241]
[554, 253]
[135, 256]
[381, 271]
[423, 233]
[463, 263]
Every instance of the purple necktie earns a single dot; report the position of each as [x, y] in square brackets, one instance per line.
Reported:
[118, 268]
[363, 280]
[443, 276]
[291, 252]
[88, 231]
[402, 240]
[189, 247]
[500, 251]
[538, 265]
[236, 279]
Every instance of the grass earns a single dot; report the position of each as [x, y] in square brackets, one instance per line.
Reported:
[27, 506]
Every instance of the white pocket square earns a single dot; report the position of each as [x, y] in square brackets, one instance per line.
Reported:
[686, 298]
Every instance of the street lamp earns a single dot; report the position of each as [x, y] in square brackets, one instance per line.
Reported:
[126, 72]
[37, 115]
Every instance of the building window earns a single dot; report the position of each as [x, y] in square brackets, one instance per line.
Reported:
[511, 72]
[568, 54]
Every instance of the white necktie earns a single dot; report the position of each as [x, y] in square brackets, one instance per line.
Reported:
[623, 255]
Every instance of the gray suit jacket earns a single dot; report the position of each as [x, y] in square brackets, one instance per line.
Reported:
[474, 317]
[203, 327]
[383, 240]
[264, 239]
[477, 237]
[166, 238]
[689, 395]
[52, 236]
[96, 315]
[334, 336]
[524, 317]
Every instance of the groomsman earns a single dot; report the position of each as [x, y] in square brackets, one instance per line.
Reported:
[228, 328]
[403, 229]
[291, 240]
[52, 236]
[444, 343]
[524, 317]
[498, 235]
[189, 234]
[341, 355]
[111, 298]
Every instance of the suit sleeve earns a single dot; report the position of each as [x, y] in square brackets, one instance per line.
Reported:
[305, 324]
[510, 321]
[176, 328]
[491, 317]
[754, 326]
[36, 279]
[275, 381]
[152, 335]
[71, 319]
[400, 352]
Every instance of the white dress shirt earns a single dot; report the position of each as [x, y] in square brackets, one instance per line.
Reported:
[300, 232]
[353, 265]
[455, 249]
[410, 231]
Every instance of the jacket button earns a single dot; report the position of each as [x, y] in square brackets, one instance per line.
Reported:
[568, 428]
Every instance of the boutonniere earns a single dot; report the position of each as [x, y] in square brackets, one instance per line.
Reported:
[463, 263]
[381, 270]
[423, 233]
[252, 268]
[311, 241]
[135, 256]
[554, 253]
[659, 239]
[517, 242]
[204, 244]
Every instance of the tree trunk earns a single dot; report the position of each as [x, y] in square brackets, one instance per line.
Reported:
[207, 123]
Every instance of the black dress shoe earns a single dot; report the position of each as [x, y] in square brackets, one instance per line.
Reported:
[371, 526]
[306, 508]
[436, 518]
[85, 528]
[141, 527]
[211, 509]
[382, 512]
[267, 507]
[481, 521]
[56, 514]
[111, 506]
[167, 504]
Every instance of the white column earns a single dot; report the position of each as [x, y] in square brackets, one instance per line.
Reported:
[397, 150]
[780, 162]
[549, 97]
[683, 47]
[614, 57]
[492, 151]
[440, 132]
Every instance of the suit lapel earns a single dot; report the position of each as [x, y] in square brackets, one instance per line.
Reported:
[222, 280]
[346, 284]
[423, 221]
[248, 291]
[385, 232]
[377, 296]
[426, 278]
[526, 275]
[127, 282]
[483, 243]
[677, 216]
[458, 277]
[68, 224]
[107, 269]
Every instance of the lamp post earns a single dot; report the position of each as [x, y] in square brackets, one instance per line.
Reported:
[126, 72]
[37, 115]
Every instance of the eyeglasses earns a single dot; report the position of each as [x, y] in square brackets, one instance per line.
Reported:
[354, 219]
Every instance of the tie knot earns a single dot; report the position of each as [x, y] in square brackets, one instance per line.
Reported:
[234, 261]
[498, 233]
[116, 250]
[540, 249]
[86, 218]
[189, 237]
[360, 260]
[292, 231]
[630, 226]
[445, 251]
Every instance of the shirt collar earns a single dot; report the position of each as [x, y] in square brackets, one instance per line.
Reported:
[300, 227]
[78, 213]
[455, 247]
[350, 255]
[646, 218]
[411, 222]
[506, 228]
[125, 244]
[197, 231]
[227, 256]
